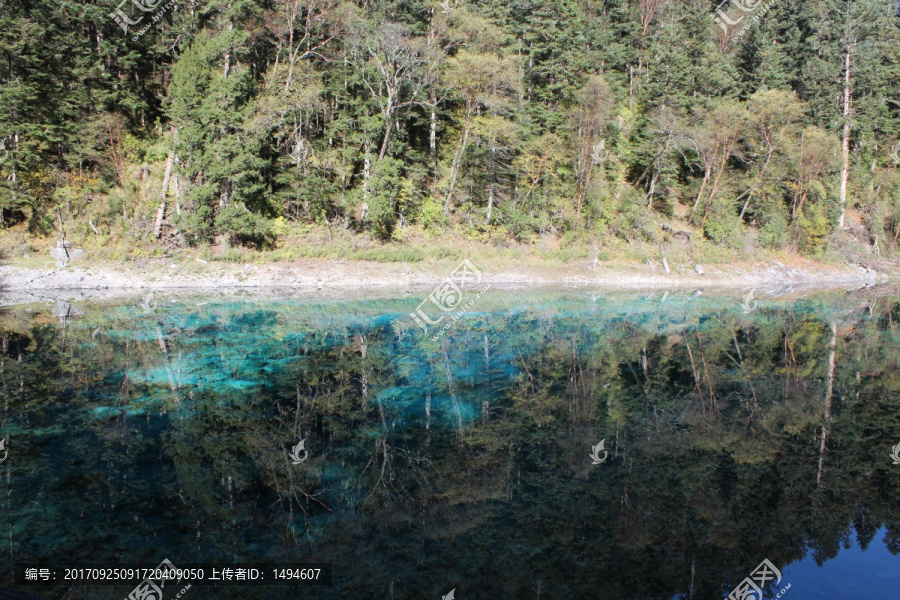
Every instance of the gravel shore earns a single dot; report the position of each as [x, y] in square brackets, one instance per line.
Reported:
[22, 284]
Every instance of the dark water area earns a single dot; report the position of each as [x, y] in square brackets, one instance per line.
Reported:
[166, 428]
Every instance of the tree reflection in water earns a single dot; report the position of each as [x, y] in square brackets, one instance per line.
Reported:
[139, 435]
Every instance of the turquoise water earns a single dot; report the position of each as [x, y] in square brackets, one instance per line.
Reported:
[143, 431]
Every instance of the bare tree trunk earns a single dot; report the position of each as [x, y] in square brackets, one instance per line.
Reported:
[712, 394]
[457, 159]
[696, 375]
[490, 206]
[459, 423]
[715, 187]
[762, 172]
[389, 125]
[829, 391]
[652, 189]
[12, 163]
[432, 144]
[706, 175]
[829, 387]
[160, 215]
[171, 376]
[367, 171]
[432, 132]
[746, 204]
[691, 592]
[585, 169]
[364, 378]
[845, 143]
[177, 196]
[168, 174]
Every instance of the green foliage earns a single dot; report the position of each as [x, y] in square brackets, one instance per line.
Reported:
[242, 226]
[430, 213]
[197, 225]
[723, 225]
[774, 234]
[632, 219]
[515, 120]
[386, 192]
[813, 226]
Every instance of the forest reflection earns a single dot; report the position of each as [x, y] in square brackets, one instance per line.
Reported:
[141, 432]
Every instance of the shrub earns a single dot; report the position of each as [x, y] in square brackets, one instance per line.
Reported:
[386, 187]
[431, 213]
[774, 233]
[723, 225]
[633, 220]
[244, 227]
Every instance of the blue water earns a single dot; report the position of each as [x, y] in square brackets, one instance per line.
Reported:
[870, 574]
[461, 462]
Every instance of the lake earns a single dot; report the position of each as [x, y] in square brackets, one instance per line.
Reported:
[542, 444]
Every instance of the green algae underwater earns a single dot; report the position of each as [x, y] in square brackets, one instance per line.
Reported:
[139, 431]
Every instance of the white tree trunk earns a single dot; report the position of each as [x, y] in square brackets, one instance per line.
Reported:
[457, 159]
[160, 215]
[177, 196]
[845, 144]
[170, 161]
[829, 391]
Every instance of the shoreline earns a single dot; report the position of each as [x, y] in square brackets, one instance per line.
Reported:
[19, 284]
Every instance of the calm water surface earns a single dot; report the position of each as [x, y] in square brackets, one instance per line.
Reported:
[162, 429]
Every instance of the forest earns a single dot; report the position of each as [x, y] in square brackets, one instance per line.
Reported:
[147, 127]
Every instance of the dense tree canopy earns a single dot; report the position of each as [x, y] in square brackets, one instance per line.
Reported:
[521, 118]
